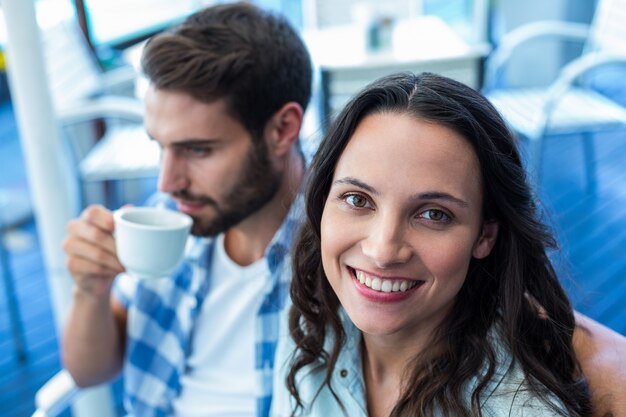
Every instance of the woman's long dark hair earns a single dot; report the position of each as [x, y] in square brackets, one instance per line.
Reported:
[515, 286]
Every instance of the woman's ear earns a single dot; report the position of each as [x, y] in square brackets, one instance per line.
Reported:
[486, 240]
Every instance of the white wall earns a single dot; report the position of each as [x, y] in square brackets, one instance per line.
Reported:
[325, 13]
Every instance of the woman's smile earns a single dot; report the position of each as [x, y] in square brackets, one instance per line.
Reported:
[381, 288]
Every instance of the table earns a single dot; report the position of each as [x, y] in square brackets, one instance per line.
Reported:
[425, 43]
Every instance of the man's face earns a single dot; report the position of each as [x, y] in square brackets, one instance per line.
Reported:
[210, 164]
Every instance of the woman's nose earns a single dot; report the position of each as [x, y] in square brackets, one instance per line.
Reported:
[386, 243]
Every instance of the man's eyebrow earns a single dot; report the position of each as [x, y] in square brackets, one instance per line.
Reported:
[429, 195]
[196, 142]
[190, 142]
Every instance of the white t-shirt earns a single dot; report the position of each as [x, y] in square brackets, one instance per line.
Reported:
[219, 379]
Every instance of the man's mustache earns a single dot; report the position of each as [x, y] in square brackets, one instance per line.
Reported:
[194, 199]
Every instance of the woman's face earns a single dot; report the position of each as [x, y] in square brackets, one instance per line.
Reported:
[401, 223]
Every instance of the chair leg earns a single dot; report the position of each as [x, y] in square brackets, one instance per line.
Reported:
[14, 313]
[535, 159]
[590, 163]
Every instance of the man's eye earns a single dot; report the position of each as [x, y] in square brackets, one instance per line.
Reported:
[197, 150]
[435, 215]
[356, 200]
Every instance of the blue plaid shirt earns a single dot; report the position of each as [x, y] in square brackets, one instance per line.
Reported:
[161, 314]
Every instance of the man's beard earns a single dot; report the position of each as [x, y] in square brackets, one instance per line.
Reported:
[257, 184]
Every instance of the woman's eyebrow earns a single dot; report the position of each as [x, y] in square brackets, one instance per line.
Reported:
[428, 195]
[438, 195]
[356, 183]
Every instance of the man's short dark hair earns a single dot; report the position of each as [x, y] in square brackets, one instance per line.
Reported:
[251, 58]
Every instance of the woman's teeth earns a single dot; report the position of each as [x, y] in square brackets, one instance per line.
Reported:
[385, 285]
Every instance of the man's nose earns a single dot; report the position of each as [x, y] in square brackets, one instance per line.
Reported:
[172, 175]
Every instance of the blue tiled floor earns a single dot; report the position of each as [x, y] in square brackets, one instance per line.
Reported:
[590, 228]
[19, 381]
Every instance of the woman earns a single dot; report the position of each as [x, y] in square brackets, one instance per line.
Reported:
[421, 281]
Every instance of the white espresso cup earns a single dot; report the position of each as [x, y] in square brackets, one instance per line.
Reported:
[150, 241]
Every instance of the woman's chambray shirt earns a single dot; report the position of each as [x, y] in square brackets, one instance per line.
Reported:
[506, 395]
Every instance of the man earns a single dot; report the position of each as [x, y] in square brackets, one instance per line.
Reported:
[602, 354]
[228, 89]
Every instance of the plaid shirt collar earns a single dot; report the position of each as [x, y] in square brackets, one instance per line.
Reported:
[162, 313]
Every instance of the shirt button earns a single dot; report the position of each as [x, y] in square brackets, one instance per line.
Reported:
[343, 373]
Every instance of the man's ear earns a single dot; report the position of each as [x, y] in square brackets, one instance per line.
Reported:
[486, 240]
[283, 128]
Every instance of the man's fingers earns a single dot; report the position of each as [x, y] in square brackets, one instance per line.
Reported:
[98, 216]
[79, 229]
[95, 280]
[90, 249]
[80, 268]
[94, 259]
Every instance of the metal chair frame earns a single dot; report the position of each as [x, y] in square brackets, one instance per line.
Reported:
[568, 105]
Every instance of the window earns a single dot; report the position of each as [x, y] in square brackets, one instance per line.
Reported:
[113, 22]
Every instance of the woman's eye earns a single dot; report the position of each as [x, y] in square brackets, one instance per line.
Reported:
[435, 215]
[356, 200]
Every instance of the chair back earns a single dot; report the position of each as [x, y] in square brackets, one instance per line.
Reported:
[72, 69]
[608, 29]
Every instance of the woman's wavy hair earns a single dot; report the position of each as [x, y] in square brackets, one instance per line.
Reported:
[515, 286]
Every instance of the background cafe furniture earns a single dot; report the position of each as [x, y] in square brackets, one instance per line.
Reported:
[106, 166]
[425, 43]
[570, 104]
[344, 65]
[15, 210]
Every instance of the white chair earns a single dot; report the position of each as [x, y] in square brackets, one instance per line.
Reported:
[56, 395]
[83, 96]
[568, 105]
[60, 393]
